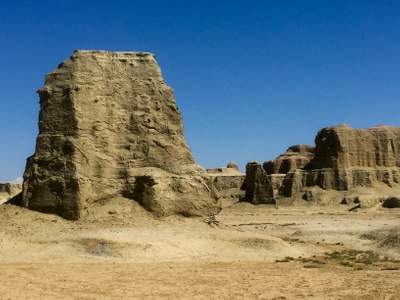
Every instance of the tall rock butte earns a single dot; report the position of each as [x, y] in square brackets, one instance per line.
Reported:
[109, 127]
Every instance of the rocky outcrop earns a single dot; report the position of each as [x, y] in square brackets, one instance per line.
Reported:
[346, 163]
[263, 183]
[392, 202]
[233, 165]
[8, 190]
[276, 181]
[221, 171]
[258, 186]
[342, 147]
[228, 181]
[109, 127]
[346, 158]
[295, 157]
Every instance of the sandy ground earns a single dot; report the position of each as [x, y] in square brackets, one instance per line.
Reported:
[251, 252]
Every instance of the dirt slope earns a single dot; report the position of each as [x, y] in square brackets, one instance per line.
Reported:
[250, 252]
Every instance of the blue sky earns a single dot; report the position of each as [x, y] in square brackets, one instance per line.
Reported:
[250, 77]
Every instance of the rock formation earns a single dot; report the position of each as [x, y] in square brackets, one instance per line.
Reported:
[228, 181]
[341, 147]
[233, 165]
[9, 190]
[109, 127]
[348, 163]
[346, 158]
[295, 157]
[258, 186]
[392, 202]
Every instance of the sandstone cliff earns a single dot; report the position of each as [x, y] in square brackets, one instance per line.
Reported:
[347, 166]
[295, 157]
[258, 185]
[346, 158]
[109, 127]
[344, 147]
[9, 190]
[228, 181]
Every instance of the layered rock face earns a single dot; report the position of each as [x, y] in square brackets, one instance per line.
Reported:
[346, 158]
[109, 127]
[295, 157]
[258, 186]
[233, 165]
[228, 181]
[345, 163]
[262, 183]
[344, 147]
[9, 190]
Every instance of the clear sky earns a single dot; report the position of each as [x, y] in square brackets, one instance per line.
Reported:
[250, 77]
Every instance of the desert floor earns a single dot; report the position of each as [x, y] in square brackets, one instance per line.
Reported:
[251, 252]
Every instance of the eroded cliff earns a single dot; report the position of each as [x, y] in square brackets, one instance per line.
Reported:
[345, 165]
[109, 127]
[347, 158]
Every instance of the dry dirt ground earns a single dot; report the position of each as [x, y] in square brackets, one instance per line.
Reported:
[250, 252]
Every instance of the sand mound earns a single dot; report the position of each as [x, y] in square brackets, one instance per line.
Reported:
[389, 238]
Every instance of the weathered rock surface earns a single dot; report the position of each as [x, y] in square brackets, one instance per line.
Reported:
[392, 202]
[346, 163]
[233, 165]
[220, 171]
[276, 181]
[347, 158]
[344, 147]
[295, 157]
[109, 127]
[258, 186]
[228, 181]
[9, 190]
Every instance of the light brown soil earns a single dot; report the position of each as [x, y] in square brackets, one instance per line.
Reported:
[251, 252]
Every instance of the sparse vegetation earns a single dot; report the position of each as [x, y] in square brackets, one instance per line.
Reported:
[309, 260]
[350, 258]
[358, 267]
[390, 269]
[357, 259]
[346, 264]
[296, 240]
[312, 263]
[310, 266]
[286, 259]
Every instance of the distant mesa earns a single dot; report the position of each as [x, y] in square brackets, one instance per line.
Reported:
[231, 168]
[229, 182]
[233, 165]
[347, 158]
[109, 128]
[346, 166]
[295, 157]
